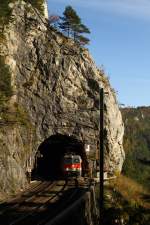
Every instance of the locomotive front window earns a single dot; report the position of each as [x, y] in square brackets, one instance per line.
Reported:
[76, 161]
[68, 160]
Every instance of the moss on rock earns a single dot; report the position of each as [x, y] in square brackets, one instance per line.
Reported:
[5, 80]
[37, 4]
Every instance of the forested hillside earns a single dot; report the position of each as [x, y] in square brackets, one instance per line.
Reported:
[130, 191]
[137, 144]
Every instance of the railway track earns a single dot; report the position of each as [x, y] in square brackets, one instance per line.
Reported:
[69, 197]
[14, 209]
[27, 193]
[40, 204]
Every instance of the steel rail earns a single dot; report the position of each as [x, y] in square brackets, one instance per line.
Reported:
[60, 217]
[22, 199]
[38, 218]
[25, 192]
[48, 186]
[70, 199]
[25, 219]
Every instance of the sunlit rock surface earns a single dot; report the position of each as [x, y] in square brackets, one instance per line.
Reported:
[56, 88]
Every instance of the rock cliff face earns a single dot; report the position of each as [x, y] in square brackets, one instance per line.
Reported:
[55, 90]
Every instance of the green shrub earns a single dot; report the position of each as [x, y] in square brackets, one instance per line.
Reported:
[15, 115]
[5, 11]
[37, 4]
[5, 80]
[124, 203]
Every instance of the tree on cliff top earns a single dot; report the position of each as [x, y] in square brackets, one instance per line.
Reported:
[71, 24]
[69, 20]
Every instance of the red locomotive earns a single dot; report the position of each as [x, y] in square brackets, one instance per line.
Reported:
[72, 165]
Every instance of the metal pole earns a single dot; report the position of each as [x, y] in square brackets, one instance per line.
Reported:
[101, 153]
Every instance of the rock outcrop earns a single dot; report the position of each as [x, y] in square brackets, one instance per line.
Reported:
[55, 90]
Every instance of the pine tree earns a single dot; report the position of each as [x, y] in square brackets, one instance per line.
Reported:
[69, 20]
[82, 40]
[78, 30]
[71, 24]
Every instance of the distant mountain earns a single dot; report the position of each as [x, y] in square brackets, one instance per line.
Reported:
[137, 144]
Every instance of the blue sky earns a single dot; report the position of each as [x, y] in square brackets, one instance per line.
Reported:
[120, 41]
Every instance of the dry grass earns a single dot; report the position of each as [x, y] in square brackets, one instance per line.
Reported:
[131, 191]
[3, 197]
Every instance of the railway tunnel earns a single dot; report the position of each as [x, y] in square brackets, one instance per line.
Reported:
[50, 154]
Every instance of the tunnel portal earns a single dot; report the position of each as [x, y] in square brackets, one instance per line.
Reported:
[50, 154]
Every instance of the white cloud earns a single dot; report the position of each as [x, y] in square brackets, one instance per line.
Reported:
[134, 8]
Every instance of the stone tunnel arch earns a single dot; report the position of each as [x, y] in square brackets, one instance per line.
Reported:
[50, 155]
